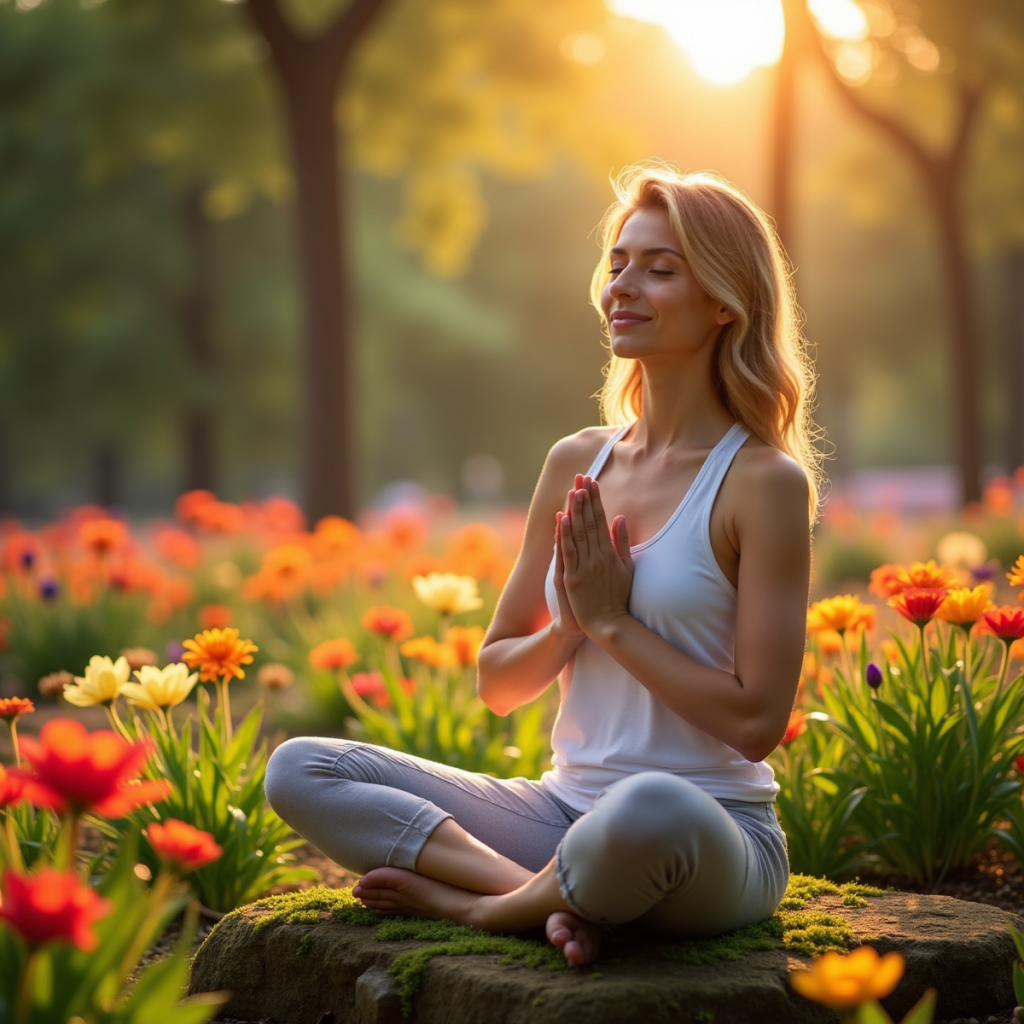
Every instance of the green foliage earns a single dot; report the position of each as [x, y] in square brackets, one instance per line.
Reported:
[813, 812]
[1018, 967]
[218, 788]
[921, 1012]
[62, 634]
[933, 750]
[67, 983]
[36, 832]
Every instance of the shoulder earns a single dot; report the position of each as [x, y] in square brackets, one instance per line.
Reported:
[574, 453]
[768, 483]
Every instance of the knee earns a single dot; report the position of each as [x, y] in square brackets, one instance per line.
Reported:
[285, 770]
[652, 809]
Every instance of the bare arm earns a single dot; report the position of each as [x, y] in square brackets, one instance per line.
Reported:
[747, 709]
[516, 664]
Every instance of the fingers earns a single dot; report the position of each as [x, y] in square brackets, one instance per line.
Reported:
[577, 499]
[600, 518]
[567, 553]
[620, 536]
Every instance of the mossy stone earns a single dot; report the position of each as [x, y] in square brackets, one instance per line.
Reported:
[295, 956]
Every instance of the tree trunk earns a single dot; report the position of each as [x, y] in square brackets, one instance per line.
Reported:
[1015, 359]
[783, 126]
[197, 427]
[327, 463]
[965, 350]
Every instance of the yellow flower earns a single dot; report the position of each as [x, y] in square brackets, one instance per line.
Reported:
[429, 651]
[1016, 573]
[102, 683]
[447, 593]
[160, 688]
[963, 607]
[840, 614]
[843, 982]
[961, 548]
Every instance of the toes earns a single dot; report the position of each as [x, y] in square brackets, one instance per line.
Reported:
[574, 953]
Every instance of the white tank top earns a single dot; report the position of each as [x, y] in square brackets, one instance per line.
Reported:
[609, 725]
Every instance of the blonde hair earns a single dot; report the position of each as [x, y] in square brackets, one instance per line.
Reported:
[761, 369]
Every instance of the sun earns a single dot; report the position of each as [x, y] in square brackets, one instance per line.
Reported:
[725, 40]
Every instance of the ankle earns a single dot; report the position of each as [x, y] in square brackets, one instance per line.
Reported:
[480, 914]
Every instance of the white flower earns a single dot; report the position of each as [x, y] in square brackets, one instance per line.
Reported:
[447, 593]
[160, 688]
[102, 683]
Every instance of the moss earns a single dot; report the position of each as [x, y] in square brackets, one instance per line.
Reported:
[703, 1017]
[792, 927]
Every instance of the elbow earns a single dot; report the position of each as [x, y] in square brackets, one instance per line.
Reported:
[487, 691]
[758, 741]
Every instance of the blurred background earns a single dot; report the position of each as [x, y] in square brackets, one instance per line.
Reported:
[339, 250]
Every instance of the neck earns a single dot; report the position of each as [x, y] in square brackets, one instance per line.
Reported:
[680, 404]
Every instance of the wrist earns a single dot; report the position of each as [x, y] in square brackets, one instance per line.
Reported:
[572, 637]
[607, 630]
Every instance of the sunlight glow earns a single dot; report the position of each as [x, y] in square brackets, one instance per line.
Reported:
[723, 39]
[726, 39]
[840, 19]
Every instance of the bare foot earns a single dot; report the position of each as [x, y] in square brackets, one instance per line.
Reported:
[579, 940]
[399, 891]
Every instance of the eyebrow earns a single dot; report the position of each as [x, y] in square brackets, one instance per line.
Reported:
[617, 251]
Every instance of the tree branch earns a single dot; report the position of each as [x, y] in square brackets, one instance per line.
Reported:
[349, 26]
[970, 103]
[283, 42]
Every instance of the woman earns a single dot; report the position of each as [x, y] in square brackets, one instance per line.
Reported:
[677, 593]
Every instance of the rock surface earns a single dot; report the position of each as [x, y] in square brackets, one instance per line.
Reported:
[294, 973]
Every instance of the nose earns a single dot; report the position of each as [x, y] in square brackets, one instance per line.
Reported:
[622, 285]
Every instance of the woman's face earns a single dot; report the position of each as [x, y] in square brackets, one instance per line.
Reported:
[652, 302]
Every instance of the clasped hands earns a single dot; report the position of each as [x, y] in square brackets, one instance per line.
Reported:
[593, 565]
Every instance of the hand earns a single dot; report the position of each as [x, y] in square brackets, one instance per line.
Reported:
[566, 622]
[596, 565]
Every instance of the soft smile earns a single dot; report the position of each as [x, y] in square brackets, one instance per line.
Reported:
[625, 318]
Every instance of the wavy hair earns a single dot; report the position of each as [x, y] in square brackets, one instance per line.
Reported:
[761, 369]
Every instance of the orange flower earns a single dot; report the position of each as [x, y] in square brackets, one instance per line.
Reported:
[1016, 575]
[964, 606]
[12, 707]
[192, 505]
[843, 982]
[218, 652]
[332, 655]
[797, 726]
[214, 616]
[52, 907]
[474, 550]
[80, 771]
[139, 657]
[998, 496]
[429, 651]
[12, 787]
[393, 623]
[840, 614]
[1006, 622]
[919, 604]
[102, 536]
[335, 537]
[182, 847]
[283, 575]
[178, 547]
[405, 528]
[891, 650]
[890, 580]
[466, 642]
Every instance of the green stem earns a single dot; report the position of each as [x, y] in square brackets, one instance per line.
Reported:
[23, 1002]
[225, 709]
[924, 655]
[1006, 665]
[11, 850]
[13, 726]
[146, 931]
[847, 662]
[116, 722]
[70, 839]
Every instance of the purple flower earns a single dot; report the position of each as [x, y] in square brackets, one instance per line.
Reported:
[28, 559]
[48, 590]
[983, 572]
[873, 675]
[174, 651]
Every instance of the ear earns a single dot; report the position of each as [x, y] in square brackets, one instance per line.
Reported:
[724, 316]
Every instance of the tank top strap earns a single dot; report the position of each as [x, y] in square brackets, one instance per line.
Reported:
[602, 455]
[717, 464]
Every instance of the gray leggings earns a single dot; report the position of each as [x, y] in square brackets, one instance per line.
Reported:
[655, 848]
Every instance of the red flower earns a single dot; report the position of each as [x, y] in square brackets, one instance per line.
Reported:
[393, 623]
[12, 707]
[919, 604]
[214, 616]
[1019, 763]
[52, 907]
[80, 771]
[11, 787]
[333, 655]
[181, 846]
[1007, 622]
[797, 726]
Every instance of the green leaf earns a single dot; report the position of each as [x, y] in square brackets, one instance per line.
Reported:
[923, 1010]
[872, 1013]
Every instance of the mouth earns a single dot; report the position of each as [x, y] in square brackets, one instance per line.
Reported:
[623, 318]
